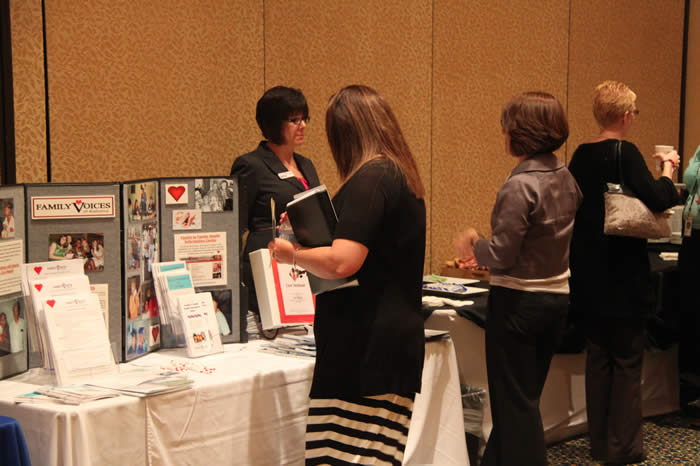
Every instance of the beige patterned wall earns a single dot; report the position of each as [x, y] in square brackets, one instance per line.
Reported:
[144, 89]
[639, 43]
[485, 52]
[28, 83]
[692, 85]
[327, 45]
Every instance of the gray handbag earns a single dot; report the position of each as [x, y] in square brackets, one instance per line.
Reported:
[625, 215]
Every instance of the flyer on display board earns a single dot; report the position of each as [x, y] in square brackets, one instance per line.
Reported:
[141, 239]
[14, 347]
[204, 255]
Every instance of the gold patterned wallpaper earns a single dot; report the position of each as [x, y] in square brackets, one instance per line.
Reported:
[28, 83]
[151, 89]
[145, 89]
[642, 47]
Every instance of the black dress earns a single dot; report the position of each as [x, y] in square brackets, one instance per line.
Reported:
[370, 338]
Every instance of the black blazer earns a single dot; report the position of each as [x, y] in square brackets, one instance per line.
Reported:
[259, 172]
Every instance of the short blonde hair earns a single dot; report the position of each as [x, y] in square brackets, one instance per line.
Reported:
[611, 99]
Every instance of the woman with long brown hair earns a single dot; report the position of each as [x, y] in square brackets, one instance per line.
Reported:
[369, 338]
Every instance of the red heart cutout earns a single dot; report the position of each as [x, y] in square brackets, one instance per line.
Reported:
[154, 331]
[51, 302]
[78, 202]
[38, 286]
[176, 192]
[37, 270]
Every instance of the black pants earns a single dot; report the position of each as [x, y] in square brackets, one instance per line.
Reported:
[689, 319]
[614, 390]
[523, 331]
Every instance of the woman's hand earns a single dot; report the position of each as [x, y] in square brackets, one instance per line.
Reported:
[671, 157]
[282, 250]
[284, 226]
[464, 244]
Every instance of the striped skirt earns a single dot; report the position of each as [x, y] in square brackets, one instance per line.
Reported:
[364, 430]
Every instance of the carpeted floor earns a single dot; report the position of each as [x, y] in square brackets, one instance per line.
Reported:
[668, 440]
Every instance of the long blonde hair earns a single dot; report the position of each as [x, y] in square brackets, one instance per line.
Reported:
[360, 127]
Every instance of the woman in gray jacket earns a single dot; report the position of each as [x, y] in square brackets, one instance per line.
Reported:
[528, 258]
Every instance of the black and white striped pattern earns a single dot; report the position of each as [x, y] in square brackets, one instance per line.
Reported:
[364, 430]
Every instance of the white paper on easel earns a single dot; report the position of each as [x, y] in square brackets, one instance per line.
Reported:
[200, 326]
[78, 338]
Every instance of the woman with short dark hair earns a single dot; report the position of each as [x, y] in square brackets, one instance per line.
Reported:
[369, 338]
[274, 170]
[528, 258]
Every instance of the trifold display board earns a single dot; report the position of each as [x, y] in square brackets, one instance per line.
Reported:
[13, 333]
[80, 220]
[200, 225]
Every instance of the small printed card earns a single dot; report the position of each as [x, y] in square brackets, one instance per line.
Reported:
[190, 219]
[176, 194]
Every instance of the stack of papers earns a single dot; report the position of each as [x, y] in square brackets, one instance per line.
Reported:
[171, 280]
[201, 329]
[72, 395]
[292, 345]
[67, 320]
[143, 383]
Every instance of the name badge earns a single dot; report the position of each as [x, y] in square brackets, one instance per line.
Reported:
[285, 175]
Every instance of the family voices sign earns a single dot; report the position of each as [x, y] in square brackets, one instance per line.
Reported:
[50, 207]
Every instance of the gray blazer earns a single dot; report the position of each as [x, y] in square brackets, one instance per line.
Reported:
[532, 221]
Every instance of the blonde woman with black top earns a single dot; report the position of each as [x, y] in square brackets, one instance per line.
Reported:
[369, 338]
[610, 276]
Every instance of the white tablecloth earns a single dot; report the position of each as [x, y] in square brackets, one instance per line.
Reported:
[250, 410]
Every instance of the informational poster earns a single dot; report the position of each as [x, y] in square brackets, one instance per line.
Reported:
[204, 254]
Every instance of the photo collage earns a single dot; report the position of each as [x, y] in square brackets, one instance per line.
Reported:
[142, 323]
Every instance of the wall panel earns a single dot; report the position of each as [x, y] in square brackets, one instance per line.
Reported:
[639, 43]
[142, 89]
[28, 82]
[326, 45]
[485, 53]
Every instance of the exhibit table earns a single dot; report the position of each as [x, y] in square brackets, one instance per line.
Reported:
[246, 407]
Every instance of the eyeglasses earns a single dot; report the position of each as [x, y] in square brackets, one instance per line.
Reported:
[297, 121]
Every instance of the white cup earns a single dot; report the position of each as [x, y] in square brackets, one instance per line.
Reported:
[661, 149]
